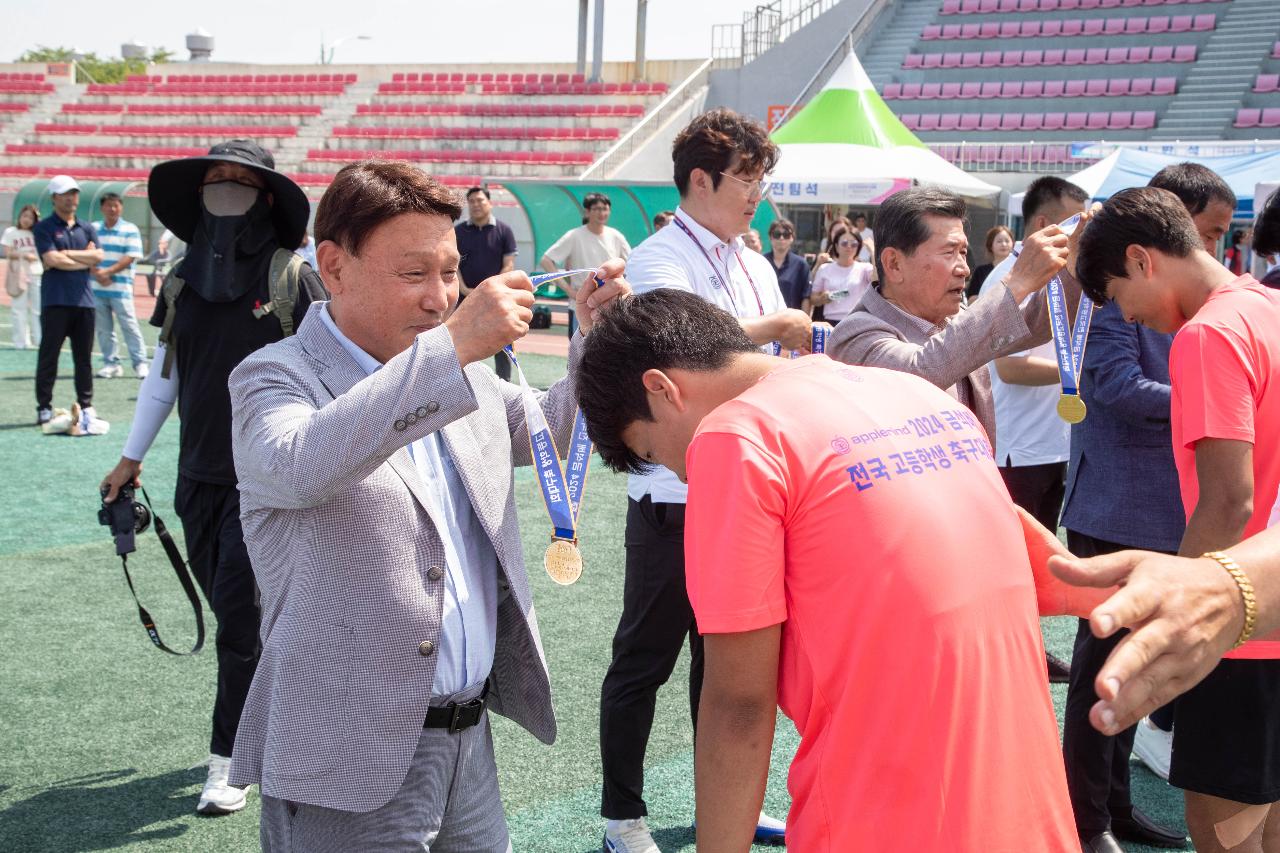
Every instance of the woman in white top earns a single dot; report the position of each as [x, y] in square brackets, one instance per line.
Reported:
[840, 286]
[22, 278]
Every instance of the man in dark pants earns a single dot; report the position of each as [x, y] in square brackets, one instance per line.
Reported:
[1122, 492]
[1032, 442]
[235, 212]
[720, 161]
[68, 248]
[488, 248]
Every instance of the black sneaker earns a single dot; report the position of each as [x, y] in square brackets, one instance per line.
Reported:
[1059, 670]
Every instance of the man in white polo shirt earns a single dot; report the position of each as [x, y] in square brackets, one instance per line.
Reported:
[721, 160]
[1032, 442]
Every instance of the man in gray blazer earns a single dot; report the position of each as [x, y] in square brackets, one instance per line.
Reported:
[374, 453]
[915, 319]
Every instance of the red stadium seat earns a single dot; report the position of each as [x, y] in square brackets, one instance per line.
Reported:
[1120, 121]
[1144, 120]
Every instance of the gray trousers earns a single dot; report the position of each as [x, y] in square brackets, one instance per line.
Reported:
[449, 803]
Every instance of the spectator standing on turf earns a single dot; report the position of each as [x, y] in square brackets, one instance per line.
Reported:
[591, 244]
[751, 240]
[662, 218]
[792, 271]
[721, 161]
[1266, 239]
[999, 245]
[22, 280]
[307, 251]
[1142, 249]
[868, 252]
[488, 248]
[840, 286]
[1032, 442]
[113, 289]
[1233, 257]
[68, 248]
[240, 218]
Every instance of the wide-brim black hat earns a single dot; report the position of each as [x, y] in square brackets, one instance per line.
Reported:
[174, 191]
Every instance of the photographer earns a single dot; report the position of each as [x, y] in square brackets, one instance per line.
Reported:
[238, 289]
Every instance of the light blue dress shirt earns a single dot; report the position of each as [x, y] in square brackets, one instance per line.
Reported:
[469, 621]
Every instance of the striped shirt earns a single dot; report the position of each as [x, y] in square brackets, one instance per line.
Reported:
[123, 239]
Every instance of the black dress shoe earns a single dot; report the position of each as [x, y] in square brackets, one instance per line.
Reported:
[1104, 843]
[1059, 670]
[1133, 825]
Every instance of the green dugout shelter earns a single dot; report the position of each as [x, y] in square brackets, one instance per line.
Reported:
[554, 208]
[136, 208]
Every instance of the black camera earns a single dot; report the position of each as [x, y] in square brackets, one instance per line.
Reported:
[125, 516]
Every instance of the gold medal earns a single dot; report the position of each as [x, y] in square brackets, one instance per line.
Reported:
[1071, 408]
[563, 561]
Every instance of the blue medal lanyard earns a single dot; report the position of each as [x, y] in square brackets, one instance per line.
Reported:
[561, 494]
[1068, 345]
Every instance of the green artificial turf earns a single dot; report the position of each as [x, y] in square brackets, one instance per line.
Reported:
[99, 728]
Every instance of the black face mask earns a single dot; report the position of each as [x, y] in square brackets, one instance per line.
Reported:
[224, 261]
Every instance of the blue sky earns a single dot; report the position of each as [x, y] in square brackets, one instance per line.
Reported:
[403, 31]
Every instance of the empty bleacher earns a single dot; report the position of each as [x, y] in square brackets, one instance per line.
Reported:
[462, 126]
[1009, 82]
[512, 124]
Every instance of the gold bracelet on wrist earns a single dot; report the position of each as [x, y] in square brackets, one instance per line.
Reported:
[1246, 593]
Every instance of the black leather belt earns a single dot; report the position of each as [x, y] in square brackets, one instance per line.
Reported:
[457, 716]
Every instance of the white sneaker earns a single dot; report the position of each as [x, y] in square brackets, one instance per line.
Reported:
[85, 421]
[142, 370]
[629, 836]
[1153, 746]
[769, 829]
[111, 371]
[218, 797]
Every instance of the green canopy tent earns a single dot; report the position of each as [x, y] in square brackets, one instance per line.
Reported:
[847, 147]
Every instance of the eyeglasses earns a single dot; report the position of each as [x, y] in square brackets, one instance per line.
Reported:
[849, 243]
[756, 189]
[781, 235]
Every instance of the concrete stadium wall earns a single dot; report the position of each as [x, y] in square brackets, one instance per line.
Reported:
[779, 74]
[665, 70]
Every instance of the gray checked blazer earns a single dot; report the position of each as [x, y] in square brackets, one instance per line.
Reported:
[347, 556]
[878, 334]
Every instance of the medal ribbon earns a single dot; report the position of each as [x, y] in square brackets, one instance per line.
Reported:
[561, 494]
[1068, 345]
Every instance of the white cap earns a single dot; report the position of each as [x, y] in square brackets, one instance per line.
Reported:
[59, 184]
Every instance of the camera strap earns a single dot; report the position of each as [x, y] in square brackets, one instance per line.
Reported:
[184, 578]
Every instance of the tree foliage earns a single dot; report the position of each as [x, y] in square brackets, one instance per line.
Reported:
[98, 69]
